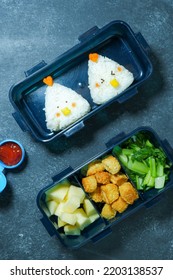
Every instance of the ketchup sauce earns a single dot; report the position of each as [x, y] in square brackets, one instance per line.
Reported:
[10, 153]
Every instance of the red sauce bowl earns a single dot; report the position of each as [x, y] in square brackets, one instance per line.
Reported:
[12, 154]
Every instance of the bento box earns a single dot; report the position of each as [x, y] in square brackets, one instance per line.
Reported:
[116, 41]
[82, 205]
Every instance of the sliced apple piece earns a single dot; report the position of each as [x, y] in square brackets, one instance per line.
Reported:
[71, 204]
[52, 205]
[71, 230]
[60, 222]
[60, 209]
[88, 207]
[46, 210]
[69, 218]
[76, 192]
[82, 219]
[94, 217]
[58, 192]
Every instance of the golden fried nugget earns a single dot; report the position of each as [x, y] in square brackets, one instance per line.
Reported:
[119, 205]
[107, 212]
[118, 179]
[128, 192]
[103, 177]
[109, 193]
[96, 196]
[94, 168]
[111, 164]
[89, 183]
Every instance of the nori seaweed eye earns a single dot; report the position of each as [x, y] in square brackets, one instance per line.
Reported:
[102, 81]
[112, 73]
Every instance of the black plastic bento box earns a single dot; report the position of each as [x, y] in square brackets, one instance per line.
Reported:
[101, 226]
[116, 41]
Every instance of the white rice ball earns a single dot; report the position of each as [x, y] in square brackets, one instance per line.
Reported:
[100, 75]
[63, 106]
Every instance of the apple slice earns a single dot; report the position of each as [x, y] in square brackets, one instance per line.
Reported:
[60, 209]
[60, 222]
[71, 204]
[82, 219]
[58, 192]
[88, 207]
[94, 217]
[76, 192]
[52, 205]
[71, 230]
[46, 210]
[69, 218]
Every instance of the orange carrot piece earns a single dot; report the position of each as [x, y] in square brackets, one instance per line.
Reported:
[48, 81]
[93, 57]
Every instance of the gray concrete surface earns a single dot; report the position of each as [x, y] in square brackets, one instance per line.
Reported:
[34, 30]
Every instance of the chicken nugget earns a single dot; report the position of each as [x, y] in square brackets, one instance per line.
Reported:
[107, 212]
[103, 177]
[89, 183]
[128, 192]
[96, 196]
[118, 179]
[111, 164]
[119, 205]
[93, 168]
[109, 193]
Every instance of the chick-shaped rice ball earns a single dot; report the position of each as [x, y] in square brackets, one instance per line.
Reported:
[106, 78]
[63, 106]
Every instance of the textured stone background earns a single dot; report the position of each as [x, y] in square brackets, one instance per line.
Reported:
[34, 30]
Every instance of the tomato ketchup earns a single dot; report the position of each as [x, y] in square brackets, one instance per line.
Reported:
[10, 153]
